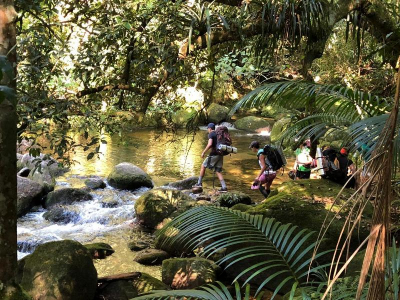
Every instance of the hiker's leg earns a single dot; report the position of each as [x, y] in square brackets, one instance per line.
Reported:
[269, 179]
[263, 191]
[202, 171]
[221, 179]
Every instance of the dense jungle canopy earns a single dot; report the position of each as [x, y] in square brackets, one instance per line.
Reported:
[91, 66]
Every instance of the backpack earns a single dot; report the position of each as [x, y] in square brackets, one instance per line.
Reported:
[223, 138]
[275, 157]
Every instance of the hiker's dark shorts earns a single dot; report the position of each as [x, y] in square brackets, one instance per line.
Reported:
[303, 175]
[214, 163]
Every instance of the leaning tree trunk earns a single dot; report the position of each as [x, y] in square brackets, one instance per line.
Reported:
[8, 140]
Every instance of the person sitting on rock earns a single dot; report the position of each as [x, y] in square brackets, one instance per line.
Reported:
[266, 175]
[345, 170]
[302, 165]
[213, 161]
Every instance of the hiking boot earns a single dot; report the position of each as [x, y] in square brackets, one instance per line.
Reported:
[223, 190]
[197, 185]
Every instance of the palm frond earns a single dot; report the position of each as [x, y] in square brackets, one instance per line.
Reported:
[343, 101]
[217, 291]
[282, 250]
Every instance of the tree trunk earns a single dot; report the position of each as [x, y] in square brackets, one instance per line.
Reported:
[8, 141]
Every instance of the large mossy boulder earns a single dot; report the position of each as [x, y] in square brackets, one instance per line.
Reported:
[182, 117]
[251, 123]
[217, 113]
[184, 184]
[126, 176]
[29, 194]
[66, 196]
[156, 205]
[229, 199]
[188, 273]
[279, 127]
[61, 270]
[275, 112]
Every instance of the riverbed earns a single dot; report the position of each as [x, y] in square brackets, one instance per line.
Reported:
[166, 158]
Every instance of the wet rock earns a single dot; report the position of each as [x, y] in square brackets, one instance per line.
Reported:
[231, 198]
[61, 215]
[43, 168]
[251, 123]
[156, 205]
[217, 113]
[188, 273]
[125, 289]
[99, 250]
[109, 201]
[181, 117]
[95, 183]
[24, 172]
[61, 270]
[126, 176]
[29, 194]
[138, 245]
[151, 257]
[66, 196]
[185, 184]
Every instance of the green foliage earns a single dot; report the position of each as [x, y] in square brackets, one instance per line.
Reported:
[216, 291]
[281, 250]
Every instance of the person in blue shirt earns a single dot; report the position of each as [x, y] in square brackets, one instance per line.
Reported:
[266, 175]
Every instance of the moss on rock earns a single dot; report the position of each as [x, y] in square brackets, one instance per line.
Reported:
[156, 205]
[13, 292]
[251, 123]
[241, 207]
[66, 196]
[187, 273]
[58, 270]
[217, 113]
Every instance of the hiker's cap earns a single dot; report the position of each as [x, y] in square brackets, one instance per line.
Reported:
[211, 125]
[254, 144]
[343, 151]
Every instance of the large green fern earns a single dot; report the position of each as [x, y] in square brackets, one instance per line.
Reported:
[282, 250]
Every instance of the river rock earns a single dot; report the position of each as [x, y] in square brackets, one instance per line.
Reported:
[138, 245]
[61, 215]
[217, 113]
[151, 257]
[95, 183]
[12, 291]
[229, 199]
[251, 123]
[99, 250]
[61, 270]
[43, 168]
[188, 273]
[181, 117]
[125, 289]
[156, 205]
[66, 196]
[29, 194]
[109, 201]
[126, 176]
[185, 184]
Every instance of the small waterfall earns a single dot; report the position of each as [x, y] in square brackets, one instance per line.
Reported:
[109, 210]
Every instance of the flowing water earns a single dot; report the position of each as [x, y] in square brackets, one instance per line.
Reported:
[165, 158]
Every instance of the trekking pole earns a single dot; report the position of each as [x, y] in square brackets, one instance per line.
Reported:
[214, 180]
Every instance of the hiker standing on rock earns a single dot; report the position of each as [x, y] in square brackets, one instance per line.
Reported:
[267, 174]
[213, 161]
